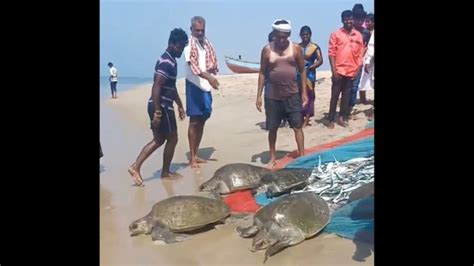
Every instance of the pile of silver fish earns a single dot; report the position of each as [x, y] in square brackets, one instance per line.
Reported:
[334, 181]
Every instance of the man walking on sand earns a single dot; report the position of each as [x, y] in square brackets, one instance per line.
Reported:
[201, 67]
[160, 108]
[345, 55]
[280, 59]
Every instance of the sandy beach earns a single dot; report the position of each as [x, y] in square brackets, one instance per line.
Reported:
[233, 134]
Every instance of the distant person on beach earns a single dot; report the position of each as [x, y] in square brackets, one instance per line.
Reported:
[280, 59]
[113, 79]
[345, 55]
[160, 108]
[359, 18]
[200, 70]
[312, 60]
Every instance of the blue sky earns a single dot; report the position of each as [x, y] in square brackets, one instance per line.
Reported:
[133, 34]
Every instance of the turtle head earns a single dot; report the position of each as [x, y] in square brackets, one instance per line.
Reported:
[140, 226]
[267, 237]
[208, 185]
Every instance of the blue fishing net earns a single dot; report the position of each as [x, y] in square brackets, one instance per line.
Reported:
[354, 220]
[370, 124]
[262, 199]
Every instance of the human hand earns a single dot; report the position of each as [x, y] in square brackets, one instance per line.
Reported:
[214, 83]
[182, 114]
[259, 104]
[155, 123]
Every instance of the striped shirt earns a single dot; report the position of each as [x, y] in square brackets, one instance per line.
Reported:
[167, 67]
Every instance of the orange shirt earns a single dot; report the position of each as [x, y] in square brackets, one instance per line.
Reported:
[347, 49]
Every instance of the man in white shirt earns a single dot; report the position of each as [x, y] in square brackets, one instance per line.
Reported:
[201, 67]
[113, 79]
[369, 65]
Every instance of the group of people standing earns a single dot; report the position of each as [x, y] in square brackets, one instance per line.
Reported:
[201, 68]
[351, 55]
[287, 72]
[291, 97]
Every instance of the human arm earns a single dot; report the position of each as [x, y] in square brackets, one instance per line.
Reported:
[302, 70]
[369, 55]
[197, 70]
[159, 80]
[264, 58]
[319, 60]
[332, 55]
[181, 112]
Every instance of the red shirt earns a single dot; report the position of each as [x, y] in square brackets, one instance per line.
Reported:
[347, 49]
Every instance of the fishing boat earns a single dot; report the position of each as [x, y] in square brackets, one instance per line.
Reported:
[240, 66]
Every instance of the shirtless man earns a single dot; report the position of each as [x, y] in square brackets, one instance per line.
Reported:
[280, 59]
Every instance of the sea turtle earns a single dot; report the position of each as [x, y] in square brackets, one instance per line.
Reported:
[172, 216]
[284, 181]
[287, 221]
[234, 177]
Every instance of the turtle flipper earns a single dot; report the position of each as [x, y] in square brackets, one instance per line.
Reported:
[285, 237]
[274, 249]
[161, 232]
[247, 231]
[236, 217]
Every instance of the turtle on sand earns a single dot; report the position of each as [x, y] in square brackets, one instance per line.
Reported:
[284, 181]
[287, 221]
[171, 218]
[234, 177]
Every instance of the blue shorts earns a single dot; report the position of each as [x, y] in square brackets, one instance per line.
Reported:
[198, 102]
[168, 119]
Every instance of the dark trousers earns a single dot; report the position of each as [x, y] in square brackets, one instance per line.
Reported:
[342, 86]
[355, 88]
[113, 87]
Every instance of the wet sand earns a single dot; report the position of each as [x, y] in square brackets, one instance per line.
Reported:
[232, 134]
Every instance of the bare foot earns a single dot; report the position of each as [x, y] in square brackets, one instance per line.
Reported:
[341, 123]
[271, 164]
[137, 178]
[331, 125]
[199, 160]
[171, 175]
[193, 164]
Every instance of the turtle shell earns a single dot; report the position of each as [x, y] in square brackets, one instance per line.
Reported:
[186, 213]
